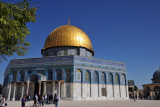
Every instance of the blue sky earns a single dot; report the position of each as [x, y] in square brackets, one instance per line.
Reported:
[120, 30]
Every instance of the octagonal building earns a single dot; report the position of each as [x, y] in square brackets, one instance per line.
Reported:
[68, 68]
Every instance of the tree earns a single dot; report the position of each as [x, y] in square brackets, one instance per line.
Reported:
[135, 88]
[1, 87]
[13, 29]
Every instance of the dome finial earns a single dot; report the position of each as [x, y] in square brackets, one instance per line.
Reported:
[68, 21]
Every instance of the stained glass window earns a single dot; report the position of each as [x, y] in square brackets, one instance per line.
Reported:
[50, 74]
[65, 52]
[95, 76]
[123, 79]
[68, 75]
[87, 76]
[110, 78]
[117, 78]
[78, 75]
[103, 77]
[59, 74]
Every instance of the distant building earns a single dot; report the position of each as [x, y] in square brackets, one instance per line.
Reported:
[152, 90]
[67, 68]
[131, 88]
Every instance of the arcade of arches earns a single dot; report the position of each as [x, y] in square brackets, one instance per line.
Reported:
[152, 91]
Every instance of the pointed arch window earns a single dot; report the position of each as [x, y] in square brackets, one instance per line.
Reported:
[87, 76]
[95, 76]
[68, 75]
[123, 81]
[110, 78]
[117, 79]
[103, 77]
[78, 75]
[59, 74]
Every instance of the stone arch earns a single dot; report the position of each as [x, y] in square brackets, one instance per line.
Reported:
[110, 81]
[103, 77]
[34, 74]
[79, 79]
[117, 79]
[103, 80]
[88, 80]
[110, 78]
[96, 77]
[156, 90]
[124, 86]
[123, 77]
[96, 80]
[147, 91]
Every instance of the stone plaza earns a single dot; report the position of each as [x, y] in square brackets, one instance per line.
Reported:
[97, 103]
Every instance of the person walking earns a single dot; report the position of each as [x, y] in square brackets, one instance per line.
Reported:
[45, 98]
[35, 101]
[39, 100]
[42, 100]
[134, 95]
[23, 101]
[56, 100]
[3, 102]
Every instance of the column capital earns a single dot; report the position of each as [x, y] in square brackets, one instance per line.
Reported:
[27, 81]
[39, 81]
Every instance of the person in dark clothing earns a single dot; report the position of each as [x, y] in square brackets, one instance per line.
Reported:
[23, 101]
[56, 100]
[35, 100]
[39, 100]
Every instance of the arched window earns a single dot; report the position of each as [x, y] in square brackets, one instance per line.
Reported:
[87, 76]
[50, 74]
[110, 78]
[59, 74]
[78, 75]
[14, 76]
[103, 77]
[123, 81]
[22, 75]
[117, 79]
[65, 52]
[95, 76]
[68, 75]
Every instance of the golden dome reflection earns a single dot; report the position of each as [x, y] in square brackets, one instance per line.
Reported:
[68, 35]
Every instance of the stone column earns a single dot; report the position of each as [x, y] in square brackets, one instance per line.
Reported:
[22, 90]
[14, 92]
[44, 88]
[39, 87]
[59, 89]
[53, 87]
[64, 88]
[9, 92]
[27, 88]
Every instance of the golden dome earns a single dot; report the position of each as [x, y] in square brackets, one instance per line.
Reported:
[68, 35]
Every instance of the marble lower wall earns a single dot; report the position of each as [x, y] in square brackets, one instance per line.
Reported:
[75, 91]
